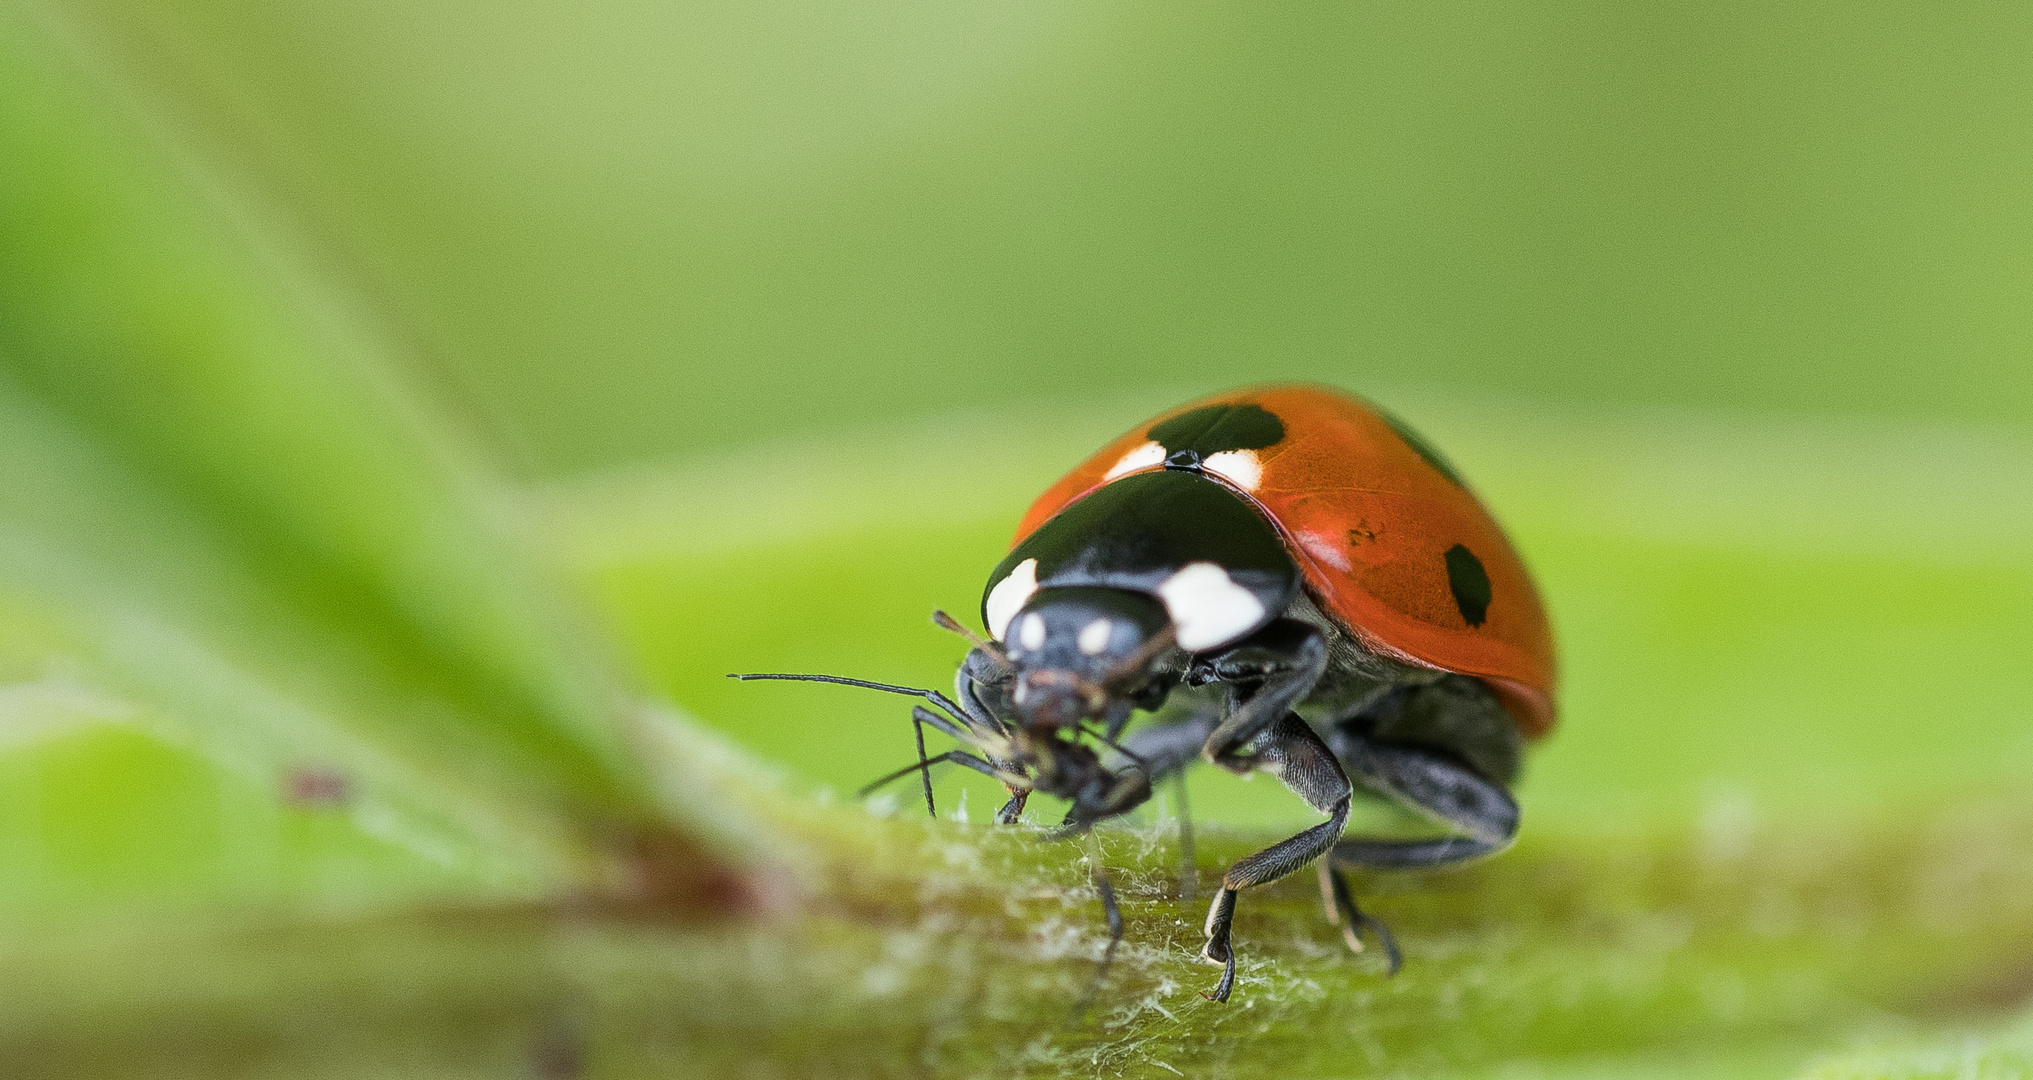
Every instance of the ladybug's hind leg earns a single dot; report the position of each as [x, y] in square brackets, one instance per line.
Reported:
[1429, 748]
[1445, 749]
[1437, 785]
[1343, 912]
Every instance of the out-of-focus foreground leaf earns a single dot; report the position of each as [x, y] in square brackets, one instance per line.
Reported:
[232, 535]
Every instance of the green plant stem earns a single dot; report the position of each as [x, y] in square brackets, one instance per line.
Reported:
[910, 947]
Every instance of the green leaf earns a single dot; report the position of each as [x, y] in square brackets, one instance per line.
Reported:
[230, 523]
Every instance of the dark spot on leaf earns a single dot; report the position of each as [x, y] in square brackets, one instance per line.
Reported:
[1470, 583]
[559, 1050]
[316, 787]
[1424, 449]
[1191, 437]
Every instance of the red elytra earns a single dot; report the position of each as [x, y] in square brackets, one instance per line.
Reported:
[1368, 518]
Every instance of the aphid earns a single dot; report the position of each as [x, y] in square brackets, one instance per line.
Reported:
[1291, 581]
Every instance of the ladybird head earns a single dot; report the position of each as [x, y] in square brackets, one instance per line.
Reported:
[1082, 653]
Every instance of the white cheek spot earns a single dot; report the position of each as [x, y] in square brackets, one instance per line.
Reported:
[1094, 637]
[1238, 467]
[1143, 457]
[1009, 597]
[1207, 607]
[1031, 632]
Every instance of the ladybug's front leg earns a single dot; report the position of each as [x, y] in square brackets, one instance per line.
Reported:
[982, 687]
[1269, 672]
[1167, 743]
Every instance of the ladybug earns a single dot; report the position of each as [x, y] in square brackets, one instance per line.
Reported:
[1288, 580]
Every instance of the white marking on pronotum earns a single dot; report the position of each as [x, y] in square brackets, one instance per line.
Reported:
[1143, 457]
[1094, 636]
[1238, 467]
[1009, 597]
[1207, 607]
[1031, 631]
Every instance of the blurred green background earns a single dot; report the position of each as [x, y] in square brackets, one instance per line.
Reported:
[762, 323]
[626, 231]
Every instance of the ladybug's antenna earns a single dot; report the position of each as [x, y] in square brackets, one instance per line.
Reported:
[959, 726]
[947, 622]
[951, 707]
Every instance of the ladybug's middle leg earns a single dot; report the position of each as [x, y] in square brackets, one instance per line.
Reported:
[1295, 754]
[1270, 671]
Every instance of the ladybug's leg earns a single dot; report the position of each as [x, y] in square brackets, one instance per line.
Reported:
[1445, 749]
[1436, 784]
[1113, 913]
[1433, 783]
[1014, 808]
[1107, 794]
[1413, 854]
[1295, 754]
[983, 679]
[958, 757]
[1280, 662]
[1342, 912]
[1168, 748]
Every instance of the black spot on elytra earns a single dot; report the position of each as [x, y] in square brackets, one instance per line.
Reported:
[1189, 438]
[1470, 583]
[1424, 449]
